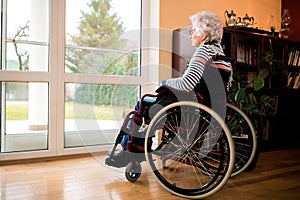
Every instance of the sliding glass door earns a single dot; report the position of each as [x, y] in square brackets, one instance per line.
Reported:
[103, 45]
[24, 49]
[70, 71]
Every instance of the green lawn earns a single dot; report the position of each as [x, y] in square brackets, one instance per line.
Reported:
[18, 110]
[86, 111]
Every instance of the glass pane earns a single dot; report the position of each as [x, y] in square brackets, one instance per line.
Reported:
[24, 119]
[103, 37]
[95, 113]
[39, 61]
[26, 30]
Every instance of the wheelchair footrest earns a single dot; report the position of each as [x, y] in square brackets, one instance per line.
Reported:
[119, 159]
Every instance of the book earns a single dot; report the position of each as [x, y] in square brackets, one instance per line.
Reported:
[291, 79]
[240, 52]
[291, 57]
[296, 58]
[296, 81]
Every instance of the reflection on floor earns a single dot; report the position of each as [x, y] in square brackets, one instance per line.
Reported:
[276, 176]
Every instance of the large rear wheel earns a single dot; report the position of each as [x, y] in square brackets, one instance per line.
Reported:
[192, 153]
[244, 138]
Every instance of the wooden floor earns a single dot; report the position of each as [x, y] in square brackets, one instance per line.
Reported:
[276, 176]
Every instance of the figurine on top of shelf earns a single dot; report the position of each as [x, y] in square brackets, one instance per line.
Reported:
[248, 21]
[230, 18]
[286, 20]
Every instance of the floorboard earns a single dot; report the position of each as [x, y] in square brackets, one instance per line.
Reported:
[276, 176]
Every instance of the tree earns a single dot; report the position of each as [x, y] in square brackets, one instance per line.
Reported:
[97, 29]
[23, 56]
[100, 50]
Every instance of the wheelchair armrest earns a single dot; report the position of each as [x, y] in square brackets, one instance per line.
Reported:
[163, 88]
[224, 58]
[142, 100]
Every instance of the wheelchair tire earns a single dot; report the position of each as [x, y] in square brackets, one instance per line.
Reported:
[244, 138]
[192, 152]
[133, 171]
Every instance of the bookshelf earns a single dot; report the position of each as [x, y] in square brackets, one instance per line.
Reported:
[293, 80]
[253, 50]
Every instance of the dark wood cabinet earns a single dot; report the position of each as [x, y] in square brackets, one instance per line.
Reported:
[182, 50]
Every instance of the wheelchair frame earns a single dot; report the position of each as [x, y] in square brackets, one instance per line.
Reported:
[217, 163]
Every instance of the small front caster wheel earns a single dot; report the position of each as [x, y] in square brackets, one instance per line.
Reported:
[133, 171]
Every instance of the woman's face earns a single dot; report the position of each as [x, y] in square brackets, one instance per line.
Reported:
[196, 39]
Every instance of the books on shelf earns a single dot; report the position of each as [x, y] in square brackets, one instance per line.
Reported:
[293, 81]
[294, 57]
[246, 53]
[297, 81]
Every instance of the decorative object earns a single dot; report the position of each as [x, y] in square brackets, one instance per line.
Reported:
[286, 19]
[272, 25]
[248, 21]
[230, 18]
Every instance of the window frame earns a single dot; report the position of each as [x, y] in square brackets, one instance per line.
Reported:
[56, 77]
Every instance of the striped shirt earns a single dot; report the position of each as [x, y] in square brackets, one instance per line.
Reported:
[201, 59]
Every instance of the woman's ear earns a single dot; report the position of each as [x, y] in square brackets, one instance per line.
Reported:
[205, 36]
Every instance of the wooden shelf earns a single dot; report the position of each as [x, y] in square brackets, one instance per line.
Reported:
[250, 47]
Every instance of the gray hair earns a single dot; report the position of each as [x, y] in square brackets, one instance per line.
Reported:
[208, 25]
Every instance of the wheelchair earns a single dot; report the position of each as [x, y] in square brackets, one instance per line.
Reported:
[189, 148]
[244, 137]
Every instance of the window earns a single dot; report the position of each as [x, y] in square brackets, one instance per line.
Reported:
[25, 35]
[102, 38]
[24, 48]
[94, 113]
[24, 121]
[70, 70]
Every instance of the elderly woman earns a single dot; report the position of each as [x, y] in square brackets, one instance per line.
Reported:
[204, 69]
[206, 35]
[205, 74]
